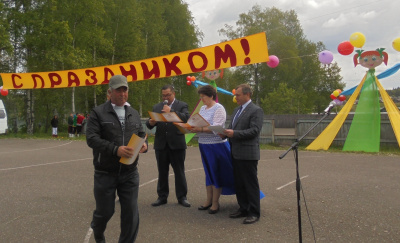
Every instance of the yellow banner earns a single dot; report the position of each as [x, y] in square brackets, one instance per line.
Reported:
[243, 51]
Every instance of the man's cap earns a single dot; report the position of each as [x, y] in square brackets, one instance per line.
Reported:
[117, 81]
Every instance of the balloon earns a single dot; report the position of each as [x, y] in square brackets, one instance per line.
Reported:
[336, 93]
[4, 92]
[233, 91]
[338, 102]
[189, 82]
[396, 44]
[345, 48]
[188, 78]
[325, 57]
[193, 78]
[273, 61]
[357, 39]
[333, 96]
[234, 99]
[342, 97]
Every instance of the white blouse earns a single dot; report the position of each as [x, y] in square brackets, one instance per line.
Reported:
[216, 116]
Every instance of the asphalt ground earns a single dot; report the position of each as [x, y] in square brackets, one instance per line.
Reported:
[47, 196]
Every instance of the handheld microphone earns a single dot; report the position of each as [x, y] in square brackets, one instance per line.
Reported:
[165, 102]
[329, 108]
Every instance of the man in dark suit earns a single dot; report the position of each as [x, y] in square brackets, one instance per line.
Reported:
[170, 148]
[243, 133]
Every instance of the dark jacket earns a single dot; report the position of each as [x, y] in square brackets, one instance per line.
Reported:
[167, 132]
[104, 135]
[247, 129]
[54, 122]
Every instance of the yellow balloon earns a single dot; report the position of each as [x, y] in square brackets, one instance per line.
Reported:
[336, 93]
[234, 99]
[357, 39]
[396, 44]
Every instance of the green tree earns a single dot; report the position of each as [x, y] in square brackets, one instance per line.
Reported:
[299, 67]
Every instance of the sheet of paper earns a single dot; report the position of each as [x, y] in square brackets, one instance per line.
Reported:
[136, 143]
[156, 116]
[171, 117]
[183, 127]
[217, 129]
[196, 120]
[165, 117]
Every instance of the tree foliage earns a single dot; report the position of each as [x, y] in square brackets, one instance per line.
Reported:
[48, 35]
[299, 68]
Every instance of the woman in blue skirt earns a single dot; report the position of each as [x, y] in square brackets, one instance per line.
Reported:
[215, 151]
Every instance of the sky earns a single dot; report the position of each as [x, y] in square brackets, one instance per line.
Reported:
[328, 21]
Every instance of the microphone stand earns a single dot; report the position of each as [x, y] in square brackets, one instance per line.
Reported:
[294, 147]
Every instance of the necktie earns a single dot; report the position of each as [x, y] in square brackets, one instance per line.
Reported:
[237, 116]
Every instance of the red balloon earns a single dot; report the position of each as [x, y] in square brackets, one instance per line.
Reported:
[193, 78]
[342, 97]
[4, 92]
[345, 48]
[189, 82]
[333, 96]
[188, 78]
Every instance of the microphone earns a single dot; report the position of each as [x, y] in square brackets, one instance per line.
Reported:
[165, 102]
[330, 106]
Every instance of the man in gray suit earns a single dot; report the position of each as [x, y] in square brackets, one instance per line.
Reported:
[243, 133]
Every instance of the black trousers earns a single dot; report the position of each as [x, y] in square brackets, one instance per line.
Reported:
[246, 186]
[127, 187]
[175, 158]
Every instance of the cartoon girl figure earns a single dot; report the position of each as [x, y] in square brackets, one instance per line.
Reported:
[213, 75]
[370, 59]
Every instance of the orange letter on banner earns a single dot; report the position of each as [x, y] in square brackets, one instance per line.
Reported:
[34, 76]
[202, 56]
[229, 53]
[73, 79]
[171, 66]
[92, 76]
[54, 82]
[131, 72]
[13, 81]
[147, 74]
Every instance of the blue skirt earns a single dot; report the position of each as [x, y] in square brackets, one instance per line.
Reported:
[217, 163]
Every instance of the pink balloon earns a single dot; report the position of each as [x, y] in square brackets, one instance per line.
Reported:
[325, 57]
[273, 61]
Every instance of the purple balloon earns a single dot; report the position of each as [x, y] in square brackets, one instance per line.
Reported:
[273, 61]
[325, 57]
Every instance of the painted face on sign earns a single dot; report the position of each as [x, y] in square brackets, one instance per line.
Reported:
[213, 74]
[371, 59]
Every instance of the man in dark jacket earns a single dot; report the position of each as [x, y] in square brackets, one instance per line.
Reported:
[170, 148]
[109, 130]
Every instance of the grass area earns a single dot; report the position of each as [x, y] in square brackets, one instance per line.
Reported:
[385, 150]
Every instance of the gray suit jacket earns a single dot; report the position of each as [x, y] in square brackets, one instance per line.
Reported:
[247, 129]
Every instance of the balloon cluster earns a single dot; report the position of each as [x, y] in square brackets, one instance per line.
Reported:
[234, 96]
[3, 92]
[337, 97]
[357, 39]
[190, 80]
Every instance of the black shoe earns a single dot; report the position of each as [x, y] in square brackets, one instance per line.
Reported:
[211, 211]
[250, 220]
[204, 208]
[184, 202]
[159, 202]
[238, 214]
